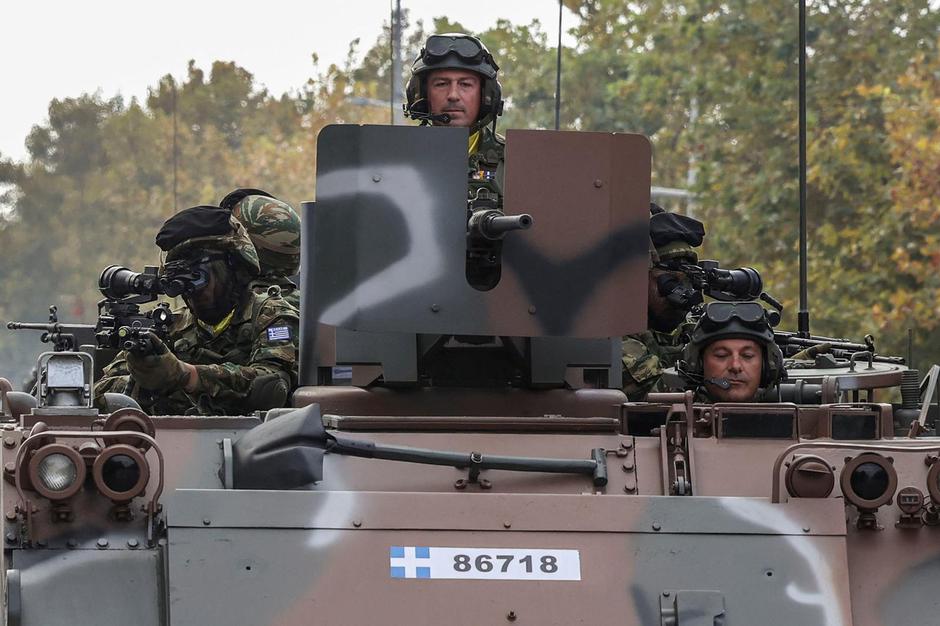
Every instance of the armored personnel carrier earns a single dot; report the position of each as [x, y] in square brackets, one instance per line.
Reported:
[459, 450]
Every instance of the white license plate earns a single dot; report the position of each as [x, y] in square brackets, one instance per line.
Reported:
[484, 563]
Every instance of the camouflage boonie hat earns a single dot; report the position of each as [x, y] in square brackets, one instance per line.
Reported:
[274, 228]
[207, 228]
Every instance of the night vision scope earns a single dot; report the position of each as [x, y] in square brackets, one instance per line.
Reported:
[117, 282]
[742, 283]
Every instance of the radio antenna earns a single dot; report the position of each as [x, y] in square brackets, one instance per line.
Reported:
[558, 73]
[802, 317]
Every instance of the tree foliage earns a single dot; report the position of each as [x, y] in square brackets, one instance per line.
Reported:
[712, 83]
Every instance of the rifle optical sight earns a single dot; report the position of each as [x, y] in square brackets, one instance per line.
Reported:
[743, 283]
[117, 282]
[121, 324]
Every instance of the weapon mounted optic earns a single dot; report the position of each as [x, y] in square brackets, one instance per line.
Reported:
[121, 325]
[742, 283]
[116, 282]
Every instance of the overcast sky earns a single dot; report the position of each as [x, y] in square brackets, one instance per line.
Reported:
[56, 49]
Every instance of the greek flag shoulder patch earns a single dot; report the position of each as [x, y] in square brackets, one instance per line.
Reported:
[279, 333]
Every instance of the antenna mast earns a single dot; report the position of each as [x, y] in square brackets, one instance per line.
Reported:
[395, 99]
[175, 151]
[802, 317]
[558, 73]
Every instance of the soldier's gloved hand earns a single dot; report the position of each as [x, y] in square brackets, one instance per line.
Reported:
[158, 369]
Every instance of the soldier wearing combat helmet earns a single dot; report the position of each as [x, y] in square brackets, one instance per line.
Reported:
[274, 229]
[230, 350]
[454, 83]
[732, 355]
[670, 297]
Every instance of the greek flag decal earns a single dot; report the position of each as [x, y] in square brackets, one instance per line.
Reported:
[278, 333]
[410, 561]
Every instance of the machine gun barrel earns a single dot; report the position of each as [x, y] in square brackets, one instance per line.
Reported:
[492, 224]
[62, 336]
[47, 327]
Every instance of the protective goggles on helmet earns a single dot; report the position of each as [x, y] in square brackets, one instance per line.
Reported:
[468, 49]
[720, 313]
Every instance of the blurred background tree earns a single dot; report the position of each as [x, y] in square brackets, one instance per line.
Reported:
[713, 84]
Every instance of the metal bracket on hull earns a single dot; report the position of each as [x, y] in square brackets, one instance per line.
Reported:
[691, 608]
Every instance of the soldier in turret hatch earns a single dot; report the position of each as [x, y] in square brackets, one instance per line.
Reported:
[454, 83]
[231, 350]
[732, 355]
[671, 296]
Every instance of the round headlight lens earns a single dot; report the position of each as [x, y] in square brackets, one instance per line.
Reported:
[870, 481]
[120, 473]
[57, 472]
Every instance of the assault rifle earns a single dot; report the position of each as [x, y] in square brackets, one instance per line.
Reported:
[793, 345]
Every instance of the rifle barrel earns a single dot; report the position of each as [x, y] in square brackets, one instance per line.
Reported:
[49, 328]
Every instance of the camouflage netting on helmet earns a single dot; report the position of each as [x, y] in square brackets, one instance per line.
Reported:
[274, 228]
[207, 228]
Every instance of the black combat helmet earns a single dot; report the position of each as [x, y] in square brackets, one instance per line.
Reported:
[734, 320]
[455, 51]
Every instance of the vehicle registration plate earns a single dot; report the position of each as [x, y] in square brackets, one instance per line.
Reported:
[484, 563]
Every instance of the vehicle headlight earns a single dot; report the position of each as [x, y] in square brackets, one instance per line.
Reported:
[869, 481]
[57, 471]
[121, 472]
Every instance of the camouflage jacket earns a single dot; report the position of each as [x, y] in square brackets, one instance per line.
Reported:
[645, 356]
[261, 340]
[486, 167]
[289, 290]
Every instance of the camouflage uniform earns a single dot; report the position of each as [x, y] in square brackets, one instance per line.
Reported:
[286, 288]
[227, 364]
[487, 165]
[460, 51]
[237, 366]
[645, 356]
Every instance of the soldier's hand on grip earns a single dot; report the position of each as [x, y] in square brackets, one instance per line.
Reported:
[158, 369]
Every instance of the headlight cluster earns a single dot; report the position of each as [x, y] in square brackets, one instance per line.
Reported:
[57, 470]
